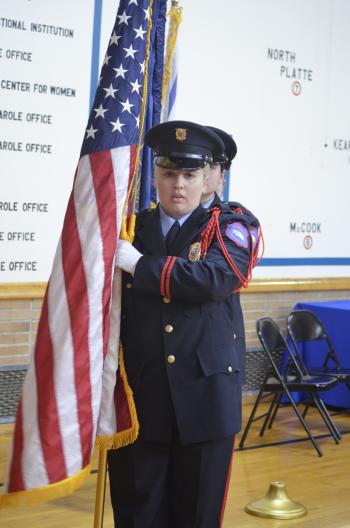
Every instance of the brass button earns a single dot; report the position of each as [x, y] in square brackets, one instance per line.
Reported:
[229, 370]
[168, 328]
[166, 300]
[171, 359]
[128, 285]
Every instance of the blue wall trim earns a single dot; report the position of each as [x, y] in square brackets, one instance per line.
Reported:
[227, 186]
[95, 55]
[324, 261]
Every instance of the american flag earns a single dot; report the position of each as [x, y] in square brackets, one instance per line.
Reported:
[72, 393]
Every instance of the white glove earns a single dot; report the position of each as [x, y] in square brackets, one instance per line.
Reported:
[127, 256]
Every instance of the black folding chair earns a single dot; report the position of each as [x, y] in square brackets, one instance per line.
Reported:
[288, 377]
[304, 326]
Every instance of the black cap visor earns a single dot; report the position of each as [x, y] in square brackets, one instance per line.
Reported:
[181, 160]
[220, 159]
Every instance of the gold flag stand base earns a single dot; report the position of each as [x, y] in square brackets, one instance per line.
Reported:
[276, 504]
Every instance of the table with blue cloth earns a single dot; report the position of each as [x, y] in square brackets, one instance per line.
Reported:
[335, 316]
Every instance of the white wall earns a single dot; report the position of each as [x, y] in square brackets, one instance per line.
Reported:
[43, 176]
[283, 170]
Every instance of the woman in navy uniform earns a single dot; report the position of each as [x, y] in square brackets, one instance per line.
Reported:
[182, 334]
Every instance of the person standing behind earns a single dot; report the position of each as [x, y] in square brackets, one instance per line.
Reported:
[182, 336]
[221, 163]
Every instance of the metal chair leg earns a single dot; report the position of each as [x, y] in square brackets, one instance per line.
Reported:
[268, 414]
[327, 419]
[251, 417]
[303, 423]
[306, 408]
[331, 421]
[278, 404]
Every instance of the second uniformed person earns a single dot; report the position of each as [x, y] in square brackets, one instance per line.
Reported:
[220, 165]
[182, 334]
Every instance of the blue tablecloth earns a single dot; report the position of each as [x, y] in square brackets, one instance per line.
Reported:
[335, 316]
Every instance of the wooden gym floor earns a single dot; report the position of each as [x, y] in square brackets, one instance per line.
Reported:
[320, 484]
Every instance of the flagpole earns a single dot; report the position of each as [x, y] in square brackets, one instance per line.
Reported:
[100, 488]
[102, 461]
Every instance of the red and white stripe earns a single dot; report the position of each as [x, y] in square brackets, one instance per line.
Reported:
[123, 159]
[68, 392]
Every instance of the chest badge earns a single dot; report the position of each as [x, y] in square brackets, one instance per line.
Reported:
[194, 253]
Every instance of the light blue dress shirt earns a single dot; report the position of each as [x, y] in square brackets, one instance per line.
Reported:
[167, 221]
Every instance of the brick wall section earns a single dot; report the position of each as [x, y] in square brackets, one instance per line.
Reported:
[278, 305]
[19, 319]
[18, 326]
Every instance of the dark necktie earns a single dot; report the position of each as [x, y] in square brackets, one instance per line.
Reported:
[171, 236]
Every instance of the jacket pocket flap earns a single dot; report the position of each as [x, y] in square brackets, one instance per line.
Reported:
[219, 359]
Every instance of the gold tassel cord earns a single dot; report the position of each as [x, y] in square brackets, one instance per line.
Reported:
[128, 231]
[175, 16]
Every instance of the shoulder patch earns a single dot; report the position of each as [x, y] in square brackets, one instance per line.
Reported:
[254, 234]
[238, 234]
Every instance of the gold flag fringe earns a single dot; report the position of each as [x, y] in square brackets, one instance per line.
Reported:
[127, 436]
[53, 491]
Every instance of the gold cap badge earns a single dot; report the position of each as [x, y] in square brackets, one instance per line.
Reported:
[181, 134]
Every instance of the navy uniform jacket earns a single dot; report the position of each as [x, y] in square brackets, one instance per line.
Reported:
[184, 356]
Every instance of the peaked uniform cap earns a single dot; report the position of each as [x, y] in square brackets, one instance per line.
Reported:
[230, 146]
[183, 144]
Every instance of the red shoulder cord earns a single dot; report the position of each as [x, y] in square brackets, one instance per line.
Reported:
[209, 231]
[255, 257]
[257, 253]
[207, 235]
